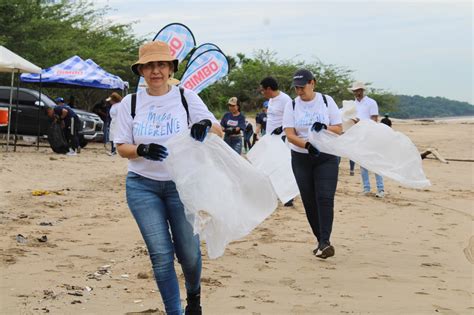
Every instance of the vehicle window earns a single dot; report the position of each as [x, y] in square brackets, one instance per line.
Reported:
[25, 98]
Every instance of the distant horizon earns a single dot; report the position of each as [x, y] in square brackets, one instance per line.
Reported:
[404, 47]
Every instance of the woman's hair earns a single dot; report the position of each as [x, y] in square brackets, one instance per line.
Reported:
[114, 97]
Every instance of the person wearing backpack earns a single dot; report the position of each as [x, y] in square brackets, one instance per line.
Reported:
[316, 173]
[158, 115]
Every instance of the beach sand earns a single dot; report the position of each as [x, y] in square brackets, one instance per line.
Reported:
[410, 253]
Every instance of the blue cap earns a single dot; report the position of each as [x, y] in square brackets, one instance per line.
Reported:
[265, 104]
[59, 99]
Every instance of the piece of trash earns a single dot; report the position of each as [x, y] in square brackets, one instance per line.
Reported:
[42, 239]
[143, 275]
[76, 293]
[76, 302]
[46, 224]
[88, 289]
[21, 239]
[41, 192]
[137, 301]
[125, 276]
[22, 216]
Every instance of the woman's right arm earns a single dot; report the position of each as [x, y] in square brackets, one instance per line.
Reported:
[128, 151]
[294, 139]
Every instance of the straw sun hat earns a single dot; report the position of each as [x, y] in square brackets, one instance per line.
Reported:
[357, 86]
[154, 51]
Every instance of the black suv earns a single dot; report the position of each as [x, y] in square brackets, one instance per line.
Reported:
[28, 108]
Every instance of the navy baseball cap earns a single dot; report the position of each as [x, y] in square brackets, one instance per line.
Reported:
[302, 77]
[59, 99]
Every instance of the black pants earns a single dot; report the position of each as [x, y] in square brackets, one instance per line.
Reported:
[71, 131]
[316, 178]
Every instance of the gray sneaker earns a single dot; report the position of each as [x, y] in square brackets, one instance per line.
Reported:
[380, 194]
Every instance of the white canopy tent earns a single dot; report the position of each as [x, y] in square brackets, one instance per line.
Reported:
[11, 62]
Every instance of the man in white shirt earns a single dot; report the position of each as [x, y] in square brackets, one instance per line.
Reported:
[367, 108]
[276, 107]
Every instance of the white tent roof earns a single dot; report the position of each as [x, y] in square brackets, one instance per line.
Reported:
[11, 62]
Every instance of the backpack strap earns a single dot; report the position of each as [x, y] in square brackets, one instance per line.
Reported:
[183, 101]
[134, 105]
[324, 99]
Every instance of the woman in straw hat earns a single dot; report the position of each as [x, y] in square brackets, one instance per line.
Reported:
[316, 173]
[151, 194]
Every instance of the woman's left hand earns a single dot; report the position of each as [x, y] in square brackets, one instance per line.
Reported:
[199, 130]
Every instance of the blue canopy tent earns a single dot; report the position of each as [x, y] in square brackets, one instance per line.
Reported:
[76, 72]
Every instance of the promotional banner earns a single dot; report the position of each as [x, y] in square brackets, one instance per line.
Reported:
[202, 48]
[205, 69]
[180, 39]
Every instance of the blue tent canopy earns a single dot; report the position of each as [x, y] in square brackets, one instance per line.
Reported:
[75, 71]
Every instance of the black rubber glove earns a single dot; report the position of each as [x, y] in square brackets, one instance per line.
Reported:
[317, 126]
[199, 130]
[230, 131]
[277, 131]
[152, 151]
[311, 149]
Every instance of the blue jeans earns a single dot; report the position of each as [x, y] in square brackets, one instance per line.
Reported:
[160, 216]
[235, 143]
[366, 182]
[316, 178]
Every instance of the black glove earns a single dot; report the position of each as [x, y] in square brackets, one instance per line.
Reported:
[199, 130]
[152, 151]
[277, 131]
[230, 130]
[311, 149]
[317, 126]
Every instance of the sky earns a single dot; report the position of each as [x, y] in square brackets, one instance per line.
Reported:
[403, 47]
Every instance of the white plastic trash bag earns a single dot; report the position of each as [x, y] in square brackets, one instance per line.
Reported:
[348, 112]
[225, 197]
[273, 157]
[378, 148]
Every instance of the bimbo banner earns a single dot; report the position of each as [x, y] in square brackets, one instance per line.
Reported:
[179, 37]
[205, 69]
[202, 48]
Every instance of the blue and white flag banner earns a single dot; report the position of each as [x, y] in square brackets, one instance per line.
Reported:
[180, 39]
[202, 48]
[204, 70]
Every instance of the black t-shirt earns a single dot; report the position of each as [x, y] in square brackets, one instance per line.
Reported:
[262, 120]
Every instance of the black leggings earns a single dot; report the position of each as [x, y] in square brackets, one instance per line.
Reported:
[317, 181]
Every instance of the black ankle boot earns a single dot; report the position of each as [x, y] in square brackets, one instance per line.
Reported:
[194, 304]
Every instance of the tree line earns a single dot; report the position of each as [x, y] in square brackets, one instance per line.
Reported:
[48, 33]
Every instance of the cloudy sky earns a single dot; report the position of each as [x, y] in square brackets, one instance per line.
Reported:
[407, 47]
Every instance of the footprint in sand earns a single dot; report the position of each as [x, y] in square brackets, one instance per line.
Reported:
[469, 250]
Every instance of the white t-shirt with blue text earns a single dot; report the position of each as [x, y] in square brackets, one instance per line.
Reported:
[306, 114]
[158, 118]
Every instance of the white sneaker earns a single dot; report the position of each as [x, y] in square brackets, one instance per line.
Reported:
[380, 194]
[71, 153]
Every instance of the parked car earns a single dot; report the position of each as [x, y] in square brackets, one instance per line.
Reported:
[30, 106]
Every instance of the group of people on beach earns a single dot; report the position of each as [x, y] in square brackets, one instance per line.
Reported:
[151, 194]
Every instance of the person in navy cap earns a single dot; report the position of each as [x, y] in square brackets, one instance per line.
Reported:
[316, 173]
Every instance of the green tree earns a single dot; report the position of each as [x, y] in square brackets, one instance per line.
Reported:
[47, 34]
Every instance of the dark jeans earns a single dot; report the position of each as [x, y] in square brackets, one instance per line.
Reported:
[247, 143]
[352, 165]
[235, 142]
[71, 131]
[316, 178]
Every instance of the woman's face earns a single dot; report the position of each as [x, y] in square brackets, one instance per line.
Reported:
[156, 73]
[233, 109]
[306, 93]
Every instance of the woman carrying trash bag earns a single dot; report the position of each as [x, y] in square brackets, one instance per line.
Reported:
[316, 173]
[151, 194]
